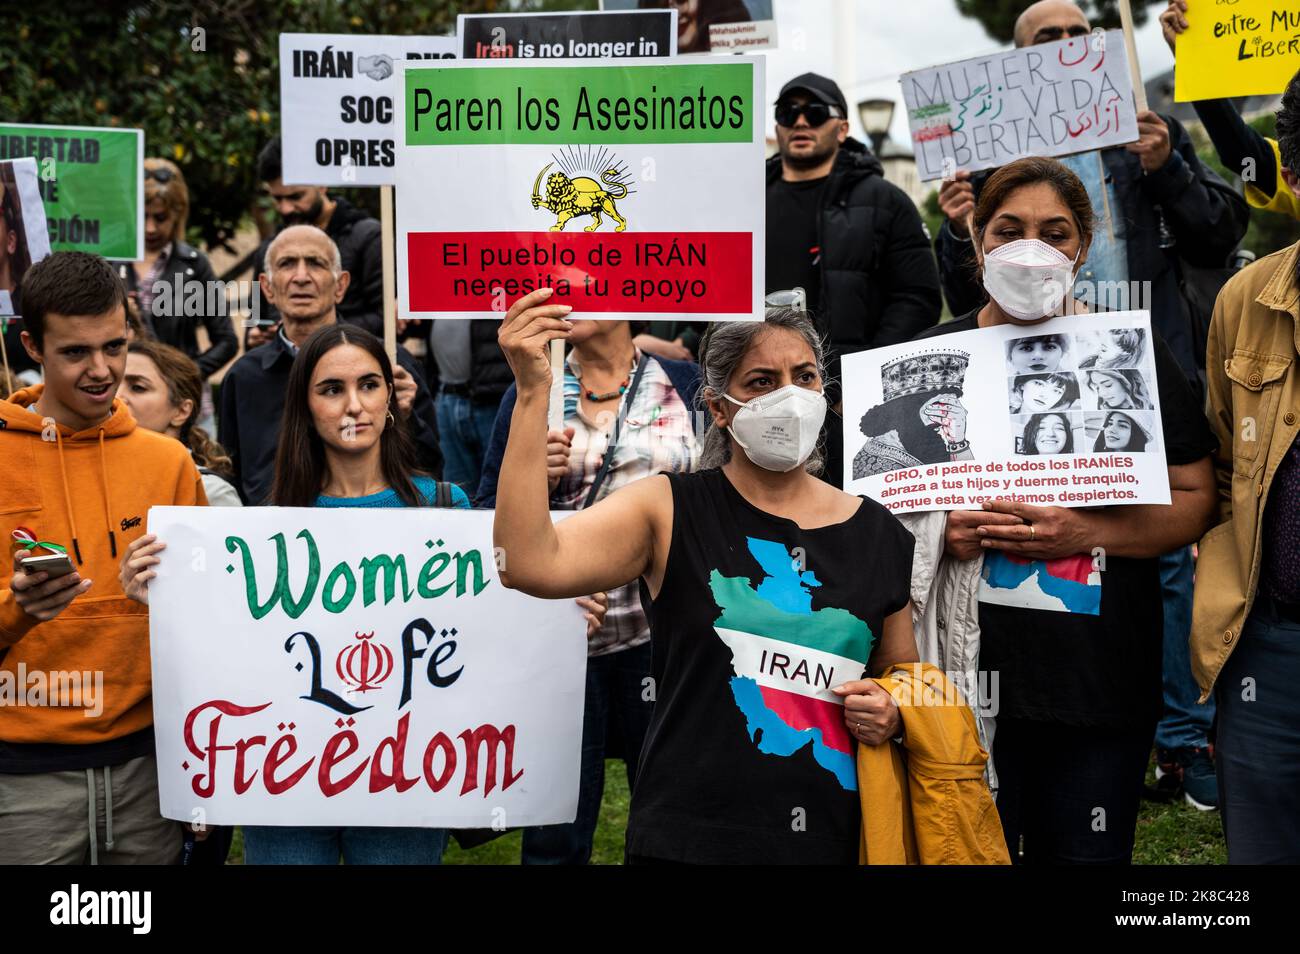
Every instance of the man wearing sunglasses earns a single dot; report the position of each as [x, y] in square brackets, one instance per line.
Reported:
[854, 242]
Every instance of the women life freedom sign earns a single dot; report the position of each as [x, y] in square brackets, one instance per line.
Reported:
[1065, 413]
[358, 667]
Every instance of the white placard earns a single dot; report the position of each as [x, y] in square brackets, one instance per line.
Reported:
[337, 98]
[1052, 99]
[633, 187]
[358, 667]
[1066, 413]
[29, 234]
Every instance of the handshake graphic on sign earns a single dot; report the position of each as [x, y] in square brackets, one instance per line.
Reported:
[378, 67]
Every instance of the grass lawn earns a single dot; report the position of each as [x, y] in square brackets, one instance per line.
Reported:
[1175, 833]
[1171, 833]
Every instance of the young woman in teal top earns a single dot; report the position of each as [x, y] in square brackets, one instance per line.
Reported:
[340, 446]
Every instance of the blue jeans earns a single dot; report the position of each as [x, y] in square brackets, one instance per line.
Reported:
[464, 432]
[289, 845]
[616, 718]
[1185, 722]
[1257, 749]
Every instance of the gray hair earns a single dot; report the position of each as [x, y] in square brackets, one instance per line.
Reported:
[336, 260]
[721, 351]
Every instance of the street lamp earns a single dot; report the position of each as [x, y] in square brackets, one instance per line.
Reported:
[876, 115]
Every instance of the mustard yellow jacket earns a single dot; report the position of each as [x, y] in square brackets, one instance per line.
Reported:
[926, 802]
[1253, 399]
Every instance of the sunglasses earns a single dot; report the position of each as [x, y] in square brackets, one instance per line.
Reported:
[162, 175]
[795, 299]
[787, 114]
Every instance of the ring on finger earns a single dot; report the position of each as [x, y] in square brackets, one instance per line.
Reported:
[1031, 532]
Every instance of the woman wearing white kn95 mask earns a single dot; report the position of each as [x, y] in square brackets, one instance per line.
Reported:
[1063, 607]
[750, 568]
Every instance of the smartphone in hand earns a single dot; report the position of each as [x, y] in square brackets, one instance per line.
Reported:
[55, 564]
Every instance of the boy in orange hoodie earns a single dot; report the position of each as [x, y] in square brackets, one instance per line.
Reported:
[78, 781]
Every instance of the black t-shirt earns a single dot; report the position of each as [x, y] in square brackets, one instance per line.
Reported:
[747, 759]
[793, 258]
[1086, 649]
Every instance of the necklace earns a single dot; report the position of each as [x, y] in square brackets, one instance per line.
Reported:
[608, 395]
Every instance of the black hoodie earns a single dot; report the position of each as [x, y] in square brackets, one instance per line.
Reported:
[879, 280]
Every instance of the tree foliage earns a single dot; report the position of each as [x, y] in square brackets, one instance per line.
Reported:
[998, 17]
[201, 77]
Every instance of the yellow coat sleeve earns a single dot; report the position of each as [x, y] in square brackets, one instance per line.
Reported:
[1283, 201]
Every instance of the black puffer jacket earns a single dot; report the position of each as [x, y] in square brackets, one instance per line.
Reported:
[879, 281]
[358, 236]
[171, 325]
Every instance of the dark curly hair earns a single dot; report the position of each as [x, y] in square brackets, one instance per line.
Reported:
[1288, 126]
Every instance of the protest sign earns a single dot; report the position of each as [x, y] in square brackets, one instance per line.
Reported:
[91, 183]
[717, 26]
[1047, 100]
[24, 239]
[336, 104]
[567, 35]
[1064, 414]
[358, 667]
[1248, 48]
[632, 187]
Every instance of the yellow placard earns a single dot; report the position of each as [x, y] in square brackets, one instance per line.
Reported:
[1237, 48]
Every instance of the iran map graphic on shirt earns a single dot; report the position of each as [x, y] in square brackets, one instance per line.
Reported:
[787, 656]
[1069, 585]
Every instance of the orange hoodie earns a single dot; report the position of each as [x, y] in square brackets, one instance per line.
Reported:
[91, 492]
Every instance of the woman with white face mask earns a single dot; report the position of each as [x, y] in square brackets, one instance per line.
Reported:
[1069, 612]
[628, 415]
[753, 570]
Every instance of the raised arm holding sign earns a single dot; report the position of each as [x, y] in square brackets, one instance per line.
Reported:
[1248, 48]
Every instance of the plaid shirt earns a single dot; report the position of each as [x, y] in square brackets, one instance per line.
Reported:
[145, 291]
[657, 438]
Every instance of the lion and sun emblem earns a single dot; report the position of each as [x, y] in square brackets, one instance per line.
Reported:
[570, 195]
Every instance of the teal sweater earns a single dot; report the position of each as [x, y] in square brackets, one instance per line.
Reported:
[427, 486]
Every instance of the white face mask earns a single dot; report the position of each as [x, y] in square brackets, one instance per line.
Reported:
[778, 431]
[1028, 278]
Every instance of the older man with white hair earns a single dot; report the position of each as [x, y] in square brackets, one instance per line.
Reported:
[304, 279]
